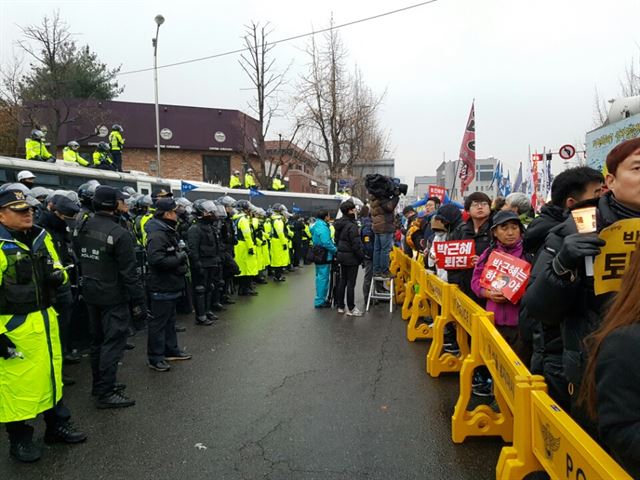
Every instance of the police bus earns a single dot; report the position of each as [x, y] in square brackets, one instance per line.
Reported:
[68, 176]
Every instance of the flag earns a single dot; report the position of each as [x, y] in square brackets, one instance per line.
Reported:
[507, 186]
[186, 187]
[468, 152]
[295, 209]
[254, 192]
[496, 175]
[517, 184]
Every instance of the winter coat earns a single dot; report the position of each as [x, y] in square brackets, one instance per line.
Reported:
[537, 231]
[279, 242]
[167, 267]
[321, 236]
[572, 305]
[204, 245]
[350, 251]
[482, 239]
[367, 236]
[503, 313]
[382, 214]
[618, 396]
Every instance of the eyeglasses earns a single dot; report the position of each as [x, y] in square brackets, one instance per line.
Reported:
[479, 204]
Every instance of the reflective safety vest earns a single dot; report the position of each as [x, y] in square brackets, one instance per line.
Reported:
[306, 233]
[116, 140]
[234, 182]
[242, 228]
[70, 155]
[332, 230]
[101, 158]
[277, 184]
[249, 181]
[36, 150]
[32, 384]
[142, 231]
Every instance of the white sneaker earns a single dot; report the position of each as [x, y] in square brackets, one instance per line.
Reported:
[354, 313]
[341, 310]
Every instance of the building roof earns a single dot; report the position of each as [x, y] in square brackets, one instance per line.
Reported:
[272, 147]
[192, 128]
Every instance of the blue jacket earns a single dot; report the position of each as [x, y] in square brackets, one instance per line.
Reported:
[366, 235]
[321, 236]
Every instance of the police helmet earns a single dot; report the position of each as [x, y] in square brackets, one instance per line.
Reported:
[103, 147]
[227, 201]
[32, 201]
[184, 205]
[73, 145]
[261, 213]
[144, 201]
[132, 200]
[221, 212]
[244, 205]
[207, 207]
[129, 190]
[41, 192]
[25, 175]
[118, 127]
[249, 170]
[87, 190]
[37, 134]
[15, 186]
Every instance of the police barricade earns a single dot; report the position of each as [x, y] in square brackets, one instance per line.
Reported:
[543, 436]
[423, 309]
[411, 287]
[400, 267]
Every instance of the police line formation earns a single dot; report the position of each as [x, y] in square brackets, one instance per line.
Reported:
[586, 345]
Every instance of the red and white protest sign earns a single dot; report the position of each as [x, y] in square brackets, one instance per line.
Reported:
[507, 274]
[455, 254]
[438, 192]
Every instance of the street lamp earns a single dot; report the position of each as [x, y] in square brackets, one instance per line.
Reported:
[159, 21]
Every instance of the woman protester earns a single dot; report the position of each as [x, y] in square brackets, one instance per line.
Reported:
[350, 255]
[611, 384]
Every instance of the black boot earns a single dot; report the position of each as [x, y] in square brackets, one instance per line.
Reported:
[115, 399]
[21, 440]
[64, 433]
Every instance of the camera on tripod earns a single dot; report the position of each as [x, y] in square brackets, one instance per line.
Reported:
[383, 187]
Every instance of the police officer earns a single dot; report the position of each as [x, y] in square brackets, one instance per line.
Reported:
[234, 180]
[204, 257]
[35, 147]
[228, 240]
[116, 143]
[102, 158]
[110, 281]
[30, 272]
[244, 249]
[279, 243]
[26, 178]
[168, 265]
[86, 191]
[277, 184]
[70, 154]
[249, 181]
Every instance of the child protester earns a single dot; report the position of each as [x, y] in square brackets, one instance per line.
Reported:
[506, 233]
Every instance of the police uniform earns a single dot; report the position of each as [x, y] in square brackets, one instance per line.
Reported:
[109, 282]
[30, 353]
[234, 181]
[244, 252]
[279, 246]
[117, 143]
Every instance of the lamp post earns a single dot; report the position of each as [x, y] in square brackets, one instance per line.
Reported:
[159, 21]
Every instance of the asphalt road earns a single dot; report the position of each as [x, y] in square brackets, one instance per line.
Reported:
[276, 390]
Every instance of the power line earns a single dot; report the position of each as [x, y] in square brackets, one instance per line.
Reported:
[288, 39]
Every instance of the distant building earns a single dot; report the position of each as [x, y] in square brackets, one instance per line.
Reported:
[196, 143]
[298, 168]
[421, 185]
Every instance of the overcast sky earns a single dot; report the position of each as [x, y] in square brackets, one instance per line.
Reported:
[532, 67]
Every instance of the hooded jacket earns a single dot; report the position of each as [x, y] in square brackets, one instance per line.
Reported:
[350, 250]
[167, 267]
[382, 214]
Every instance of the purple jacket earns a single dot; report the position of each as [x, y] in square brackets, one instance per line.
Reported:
[503, 313]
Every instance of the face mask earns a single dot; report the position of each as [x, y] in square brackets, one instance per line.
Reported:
[171, 223]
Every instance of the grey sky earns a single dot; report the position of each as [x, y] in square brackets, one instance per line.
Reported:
[531, 66]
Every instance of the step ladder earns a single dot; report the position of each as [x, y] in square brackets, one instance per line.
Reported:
[378, 291]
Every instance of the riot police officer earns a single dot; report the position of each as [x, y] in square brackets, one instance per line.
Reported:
[30, 271]
[204, 256]
[109, 282]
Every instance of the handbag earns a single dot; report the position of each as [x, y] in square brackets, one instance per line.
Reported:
[318, 255]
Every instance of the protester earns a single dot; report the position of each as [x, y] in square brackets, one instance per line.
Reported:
[324, 249]
[611, 388]
[520, 204]
[349, 257]
[560, 292]
[443, 223]
[366, 236]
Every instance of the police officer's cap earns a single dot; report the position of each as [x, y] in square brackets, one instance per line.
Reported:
[161, 192]
[166, 204]
[106, 198]
[14, 199]
[66, 206]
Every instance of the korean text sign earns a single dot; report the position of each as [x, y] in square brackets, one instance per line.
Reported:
[506, 274]
[455, 254]
[615, 256]
[437, 191]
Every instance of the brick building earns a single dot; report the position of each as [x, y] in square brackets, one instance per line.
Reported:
[300, 170]
[197, 143]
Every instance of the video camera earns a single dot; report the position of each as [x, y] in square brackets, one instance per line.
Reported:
[383, 187]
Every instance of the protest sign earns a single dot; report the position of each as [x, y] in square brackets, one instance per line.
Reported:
[455, 254]
[506, 274]
[614, 258]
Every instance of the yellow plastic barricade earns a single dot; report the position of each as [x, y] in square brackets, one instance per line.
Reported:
[411, 288]
[402, 272]
[422, 306]
[438, 361]
[563, 448]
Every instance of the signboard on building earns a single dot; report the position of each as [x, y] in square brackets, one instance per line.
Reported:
[601, 141]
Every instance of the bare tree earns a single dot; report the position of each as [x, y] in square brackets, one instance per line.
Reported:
[267, 82]
[600, 110]
[10, 108]
[337, 110]
[629, 87]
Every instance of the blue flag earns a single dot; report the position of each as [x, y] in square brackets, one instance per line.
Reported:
[517, 185]
[295, 209]
[254, 192]
[187, 187]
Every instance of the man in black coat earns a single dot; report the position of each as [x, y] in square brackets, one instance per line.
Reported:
[168, 265]
[109, 282]
[560, 293]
